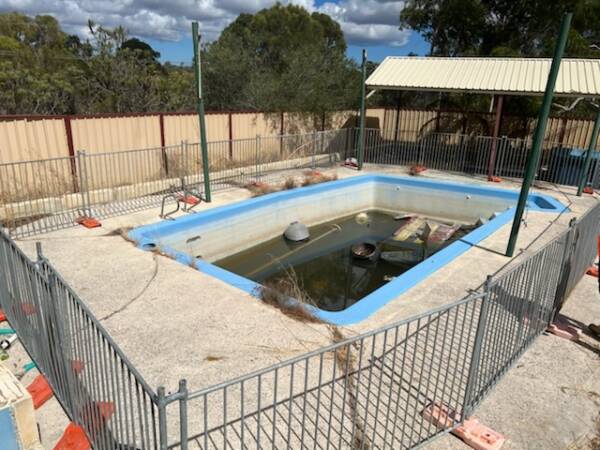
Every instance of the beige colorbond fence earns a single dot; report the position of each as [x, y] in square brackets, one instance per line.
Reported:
[25, 138]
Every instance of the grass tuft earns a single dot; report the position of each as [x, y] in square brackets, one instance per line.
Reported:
[286, 294]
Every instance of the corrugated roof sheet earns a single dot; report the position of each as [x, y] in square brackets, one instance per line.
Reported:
[519, 76]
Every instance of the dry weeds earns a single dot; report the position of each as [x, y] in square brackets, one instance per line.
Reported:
[315, 177]
[286, 294]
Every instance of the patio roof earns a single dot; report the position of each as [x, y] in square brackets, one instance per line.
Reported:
[502, 76]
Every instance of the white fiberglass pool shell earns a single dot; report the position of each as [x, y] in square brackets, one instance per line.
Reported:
[202, 238]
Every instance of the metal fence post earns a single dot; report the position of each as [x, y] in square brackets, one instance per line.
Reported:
[313, 162]
[476, 356]
[257, 158]
[61, 347]
[183, 413]
[84, 183]
[565, 269]
[161, 405]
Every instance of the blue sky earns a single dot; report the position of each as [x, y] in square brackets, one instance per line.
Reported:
[165, 24]
[178, 52]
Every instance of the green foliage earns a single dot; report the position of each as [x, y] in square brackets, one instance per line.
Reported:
[502, 27]
[281, 59]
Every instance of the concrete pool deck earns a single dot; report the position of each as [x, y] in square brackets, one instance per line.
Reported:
[174, 322]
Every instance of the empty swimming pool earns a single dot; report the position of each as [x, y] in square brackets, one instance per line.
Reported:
[242, 243]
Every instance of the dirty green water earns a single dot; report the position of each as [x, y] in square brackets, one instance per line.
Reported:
[324, 266]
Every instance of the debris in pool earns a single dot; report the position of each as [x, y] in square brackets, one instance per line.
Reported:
[296, 232]
[408, 228]
[405, 216]
[362, 218]
[407, 256]
[442, 233]
[364, 250]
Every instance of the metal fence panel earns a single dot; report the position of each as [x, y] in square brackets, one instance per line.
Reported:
[95, 383]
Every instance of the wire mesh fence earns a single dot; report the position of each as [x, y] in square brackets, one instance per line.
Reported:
[45, 195]
[397, 386]
[479, 155]
[95, 383]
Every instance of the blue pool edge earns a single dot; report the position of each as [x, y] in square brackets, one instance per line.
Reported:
[374, 301]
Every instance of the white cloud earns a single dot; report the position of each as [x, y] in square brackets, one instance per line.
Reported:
[364, 22]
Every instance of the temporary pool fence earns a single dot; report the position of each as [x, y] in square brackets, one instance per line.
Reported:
[49, 194]
[397, 386]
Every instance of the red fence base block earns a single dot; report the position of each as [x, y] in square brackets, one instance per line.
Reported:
[564, 331]
[2, 316]
[77, 366]
[97, 414]
[74, 438]
[588, 190]
[495, 179]
[478, 436]
[472, 432]
[88, 222]
[28, 309]
[189, 199]
[593, 271]
[440, 416]
[40, 391]
[415, 170]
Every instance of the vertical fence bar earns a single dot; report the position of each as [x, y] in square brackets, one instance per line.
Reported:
[183, 414]
[476, 355]
[162, 418]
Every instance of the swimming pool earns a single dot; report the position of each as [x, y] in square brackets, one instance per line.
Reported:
[201, 239]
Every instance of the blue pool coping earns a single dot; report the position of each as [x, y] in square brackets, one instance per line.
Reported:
[146, 237]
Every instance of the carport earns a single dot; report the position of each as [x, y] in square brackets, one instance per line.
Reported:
[498, 77]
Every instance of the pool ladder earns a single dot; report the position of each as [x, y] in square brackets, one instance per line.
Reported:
[181, 196]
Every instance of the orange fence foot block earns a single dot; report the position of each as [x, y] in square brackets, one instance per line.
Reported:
[189, 199]
[77, 366]
[414, 170]
[478, 436]
[97, 414]
[440, 416]
[593, 271]
[495, 179]
[588, 190]
[74, 438]
[28, 309]
[88, 222]
[472, 432]
[40, 391]
[564, 331]
[2, 316]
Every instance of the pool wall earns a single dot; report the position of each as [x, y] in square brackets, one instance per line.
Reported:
[225, 230]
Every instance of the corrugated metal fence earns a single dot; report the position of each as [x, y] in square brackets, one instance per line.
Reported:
[48, 194]
[25, 138]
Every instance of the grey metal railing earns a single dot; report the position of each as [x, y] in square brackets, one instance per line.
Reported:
[376, 390]
[46, 195]
[394, 387]
[397, 386]
[97, 386]
[468, 154]
[50, 194]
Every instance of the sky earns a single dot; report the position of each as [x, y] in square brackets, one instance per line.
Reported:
[166, 24]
